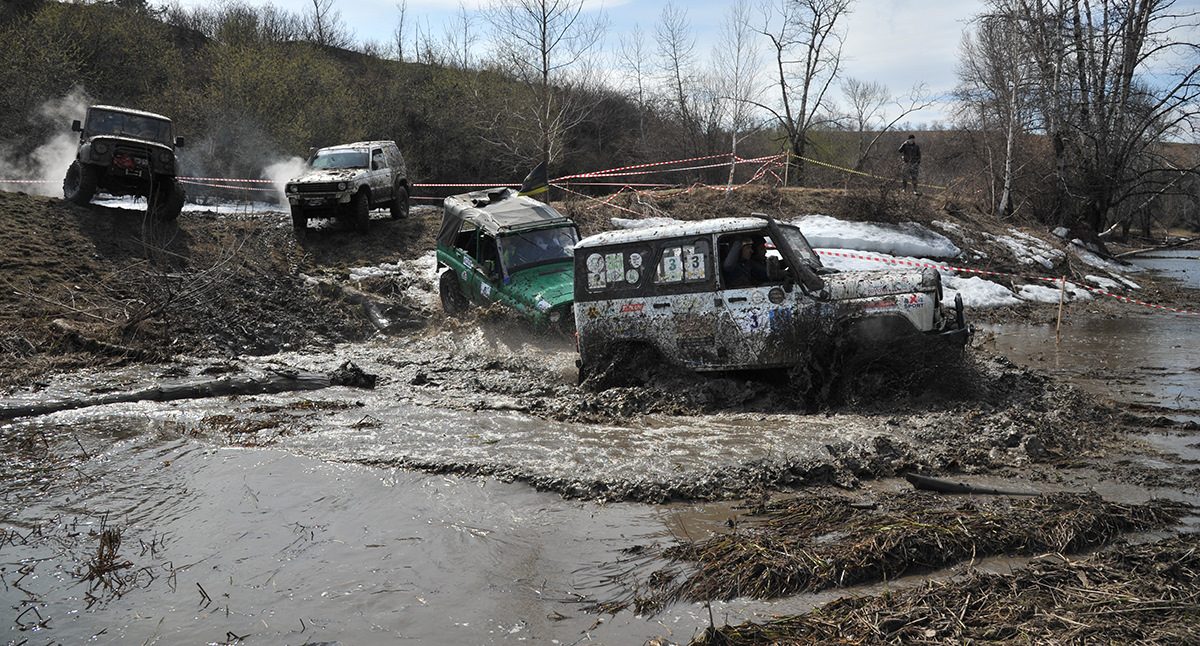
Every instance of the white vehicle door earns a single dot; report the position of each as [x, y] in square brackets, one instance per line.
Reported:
[380, 176]
[765, 318]
[682, 303]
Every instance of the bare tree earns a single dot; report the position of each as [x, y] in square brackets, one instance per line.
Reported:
[1113, 79]
[994, 75]
[461, 38]
[738, 62]
[547, 44]
[869, 103]
[806, 43]
[324, 25]
[633, 57]
[401, 32]
[677, 61]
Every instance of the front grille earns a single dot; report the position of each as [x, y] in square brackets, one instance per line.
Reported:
[316, 187]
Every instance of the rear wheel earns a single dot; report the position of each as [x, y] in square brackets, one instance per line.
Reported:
[80, 183]
[454, 302]
[400, 203]
[362, 211]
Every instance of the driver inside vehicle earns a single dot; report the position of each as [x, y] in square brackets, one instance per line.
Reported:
[745, 263]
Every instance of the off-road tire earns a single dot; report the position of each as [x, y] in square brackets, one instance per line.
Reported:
[166, 200]
[361, 211]
[454, 302]
[79, 186]
[299, 223]
[400, 203]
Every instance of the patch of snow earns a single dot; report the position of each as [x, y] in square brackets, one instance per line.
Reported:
[1088, 258]
[908, 239]
[1028, 250]
[977, 292]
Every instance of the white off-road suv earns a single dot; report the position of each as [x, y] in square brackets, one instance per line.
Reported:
[347, 181]
[740, 294]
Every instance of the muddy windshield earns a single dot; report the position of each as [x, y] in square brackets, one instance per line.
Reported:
[799, 245]
[335, 159]
[104, 122]
[532, 248]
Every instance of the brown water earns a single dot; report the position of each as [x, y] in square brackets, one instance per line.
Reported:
[297, 544]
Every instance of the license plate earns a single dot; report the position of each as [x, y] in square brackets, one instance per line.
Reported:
[315, 201]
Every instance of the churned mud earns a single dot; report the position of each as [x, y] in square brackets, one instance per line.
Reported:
[98, 300]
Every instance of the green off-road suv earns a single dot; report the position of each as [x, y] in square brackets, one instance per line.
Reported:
[126, 152]
[502, 247]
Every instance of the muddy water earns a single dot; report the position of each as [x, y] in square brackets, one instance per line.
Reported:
[324, 537]
[1146, 357]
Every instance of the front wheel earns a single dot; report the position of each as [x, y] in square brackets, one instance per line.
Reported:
[79, 186]
[454, 302]
[399, 203]
[362, 211]
[299, 222]
[166, 200]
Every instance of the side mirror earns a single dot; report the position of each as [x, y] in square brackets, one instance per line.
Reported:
[76, 126]
[179, 142]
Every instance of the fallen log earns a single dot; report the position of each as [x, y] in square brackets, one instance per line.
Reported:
[274, 381]
[926, 483]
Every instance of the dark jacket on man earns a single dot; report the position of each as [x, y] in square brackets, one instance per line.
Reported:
[910, 152]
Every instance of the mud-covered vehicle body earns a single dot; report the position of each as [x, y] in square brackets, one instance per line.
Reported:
[126, 152]
[669, 288]
[501, 247]
[347, 181]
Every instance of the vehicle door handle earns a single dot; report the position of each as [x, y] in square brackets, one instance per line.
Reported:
[738, 299]
[659, 306]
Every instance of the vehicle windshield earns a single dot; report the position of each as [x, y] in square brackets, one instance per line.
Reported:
[334, 159]
[799, 245]
[106, 122]
[530, 248]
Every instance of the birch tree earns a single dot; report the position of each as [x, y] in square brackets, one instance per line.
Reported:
[737, 60]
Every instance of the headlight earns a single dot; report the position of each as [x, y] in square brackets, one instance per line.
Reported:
[341, 186]
[291, 188]
[164, 157]
[101, 147]
[555, 316]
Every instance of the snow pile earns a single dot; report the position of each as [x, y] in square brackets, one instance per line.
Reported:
[1029, 250]
[908, 239]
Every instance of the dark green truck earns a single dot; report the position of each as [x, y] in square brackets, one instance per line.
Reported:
[502, 247]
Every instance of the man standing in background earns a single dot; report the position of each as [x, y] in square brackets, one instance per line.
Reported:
[910, 157]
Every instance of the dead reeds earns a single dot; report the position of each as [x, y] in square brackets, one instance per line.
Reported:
[816, 543]
[1144, 594]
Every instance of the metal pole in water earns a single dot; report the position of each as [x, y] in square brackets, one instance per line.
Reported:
[1062, 293]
